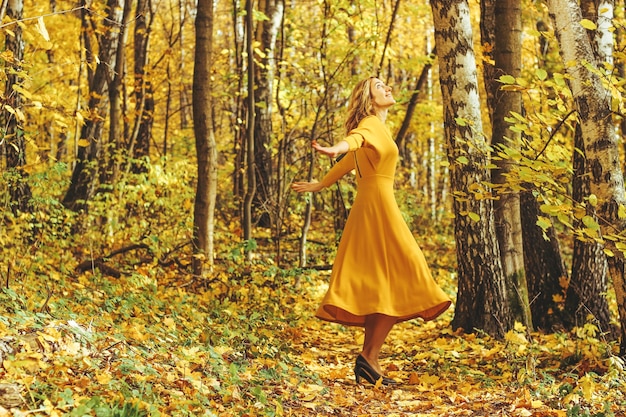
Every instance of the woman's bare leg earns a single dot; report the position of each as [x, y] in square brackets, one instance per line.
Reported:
[377, 327]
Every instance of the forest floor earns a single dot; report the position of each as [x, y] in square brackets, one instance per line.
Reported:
[246, 344]
[454, 374]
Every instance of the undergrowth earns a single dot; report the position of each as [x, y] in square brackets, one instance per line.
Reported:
[100, 315]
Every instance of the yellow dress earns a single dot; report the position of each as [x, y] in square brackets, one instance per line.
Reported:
[379, 266]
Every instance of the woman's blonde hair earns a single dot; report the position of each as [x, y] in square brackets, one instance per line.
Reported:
[360, 104]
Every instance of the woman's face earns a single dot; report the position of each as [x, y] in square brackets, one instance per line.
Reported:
[381, 95]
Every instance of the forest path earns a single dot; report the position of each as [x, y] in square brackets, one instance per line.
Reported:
[442, 374]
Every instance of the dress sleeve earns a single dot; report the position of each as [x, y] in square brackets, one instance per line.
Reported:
[356, 139]
[366, 129]
[341, 168]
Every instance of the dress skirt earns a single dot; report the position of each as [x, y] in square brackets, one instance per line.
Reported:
[379, 266]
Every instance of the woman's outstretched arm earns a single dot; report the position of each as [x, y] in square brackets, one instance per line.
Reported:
[338, 170]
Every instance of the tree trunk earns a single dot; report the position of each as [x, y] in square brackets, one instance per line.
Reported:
[392, 20]
[3, 9]
[434, 144]
[168, 112]
[488, 40]
[544, 266]
[139, 147]
[84, 176]
[239, 106]
[115, 149]
[13, 117]
[250, 154]
[620, 66]
[546, 272]
[601, 143]
[586, 293]
[481, 300]
[420, 86]
[185, 116]
[267, 32]
[204, 206]
[508, 61]
[355, 62]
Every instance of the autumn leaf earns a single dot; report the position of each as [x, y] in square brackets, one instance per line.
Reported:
[588, 24]
[41, 28]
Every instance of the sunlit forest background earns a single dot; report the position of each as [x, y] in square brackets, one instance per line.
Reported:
[100, 310]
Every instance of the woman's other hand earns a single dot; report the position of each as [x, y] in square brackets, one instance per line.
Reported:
[305, 187]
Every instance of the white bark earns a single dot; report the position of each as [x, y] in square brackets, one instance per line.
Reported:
[600, 138]
[481, 301]
[604, 34]
[277, 11]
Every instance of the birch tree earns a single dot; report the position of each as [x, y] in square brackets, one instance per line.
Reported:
[601, 143]
[586, 292]
[481, 300]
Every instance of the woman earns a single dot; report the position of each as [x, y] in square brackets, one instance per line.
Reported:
[380, 276]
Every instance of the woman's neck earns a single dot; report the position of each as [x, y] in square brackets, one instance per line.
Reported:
[382, 114]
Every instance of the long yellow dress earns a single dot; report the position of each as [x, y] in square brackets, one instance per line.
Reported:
[379, 266]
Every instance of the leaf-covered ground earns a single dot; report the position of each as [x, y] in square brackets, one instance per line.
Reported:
[246, 344]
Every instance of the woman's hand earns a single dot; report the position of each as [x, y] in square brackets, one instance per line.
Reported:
[332, 151]
[305, 187]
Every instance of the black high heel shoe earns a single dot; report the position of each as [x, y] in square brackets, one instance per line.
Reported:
[362, 369]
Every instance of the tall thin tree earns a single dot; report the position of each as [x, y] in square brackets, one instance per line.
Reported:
[392, 21]
[238, 106]
[12, 115]
[545, 268]
[85, 173]
[250, 153]
[266, 34]
[419, 91]
[206, 150]
[141, 136]
[116, 148]
[507, 55]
